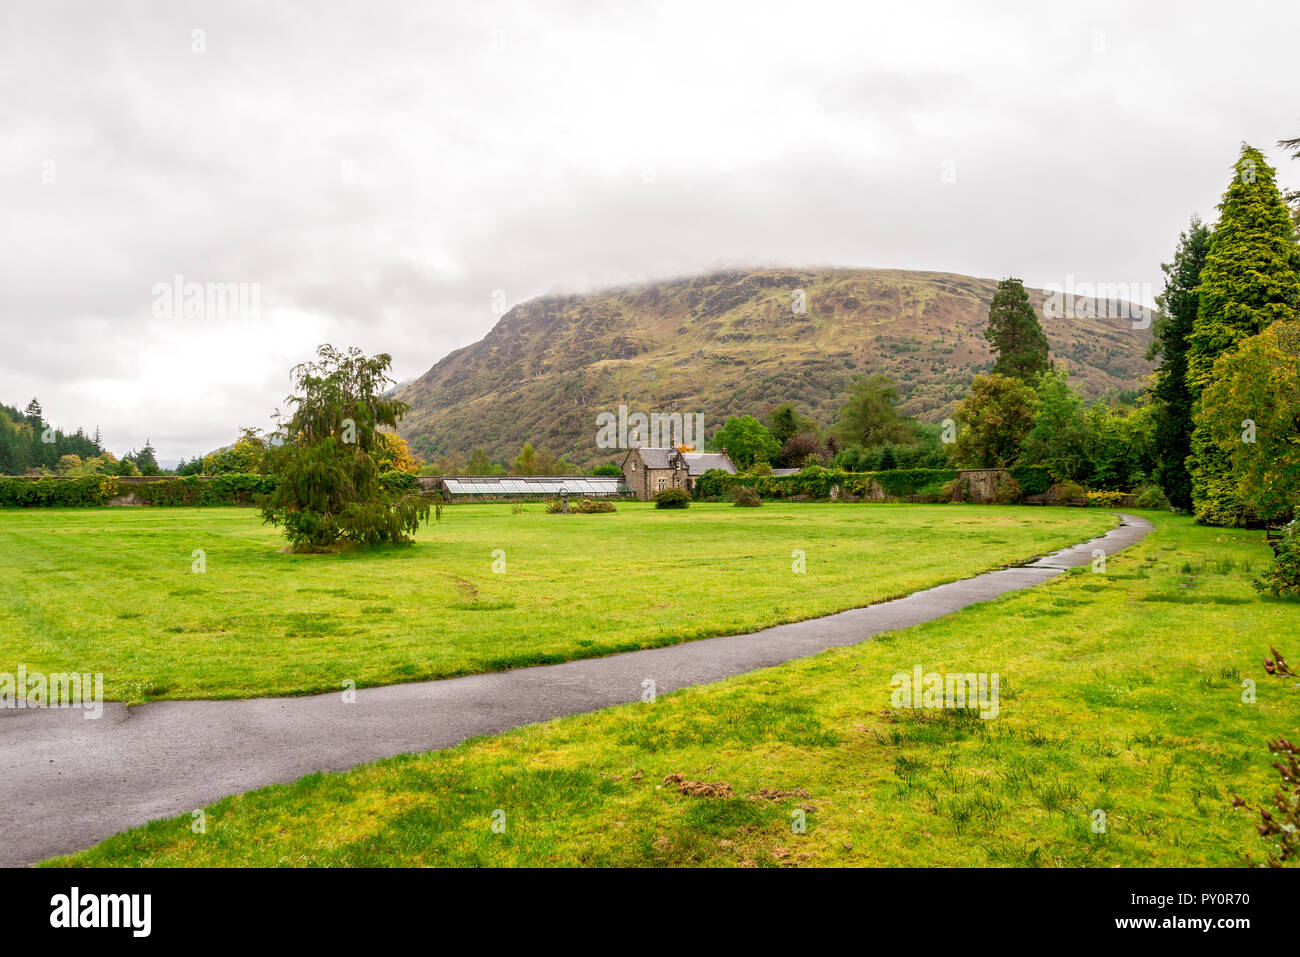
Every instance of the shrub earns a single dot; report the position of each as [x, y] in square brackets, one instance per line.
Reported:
[1150, 496]
[1101, 499]
[1067, 491]
[394, 481]
[583, 506]
[1283, 578]
[672, 498]
[745, 497]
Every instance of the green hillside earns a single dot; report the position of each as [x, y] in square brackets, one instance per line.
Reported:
[730, 343]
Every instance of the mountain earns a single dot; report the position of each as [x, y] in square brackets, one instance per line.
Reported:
[730, 343]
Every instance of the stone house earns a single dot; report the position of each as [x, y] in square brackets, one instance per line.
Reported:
[648, 471]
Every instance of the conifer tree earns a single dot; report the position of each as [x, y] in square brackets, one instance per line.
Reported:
[329, 489]
[1251, 279]
[1015, 333]
[147, 459]
[1174, 398]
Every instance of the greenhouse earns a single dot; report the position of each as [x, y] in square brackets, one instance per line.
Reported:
[535, 486]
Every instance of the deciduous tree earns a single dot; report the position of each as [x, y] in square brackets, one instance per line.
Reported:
[870, 416]
[525, 462]
[1058, 440]
[1251, 412]
[746, 440]
[994, 420]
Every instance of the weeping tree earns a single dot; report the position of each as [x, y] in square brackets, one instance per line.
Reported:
[330, 487]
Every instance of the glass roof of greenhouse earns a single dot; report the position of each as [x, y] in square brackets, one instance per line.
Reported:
[537, 485]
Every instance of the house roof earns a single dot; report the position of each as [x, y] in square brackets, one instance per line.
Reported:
[697, 463]
[656, 458]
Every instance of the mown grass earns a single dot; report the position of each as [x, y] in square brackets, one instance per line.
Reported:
[1120, 692]
[113, 590]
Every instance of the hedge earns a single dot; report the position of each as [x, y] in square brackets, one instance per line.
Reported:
[99, 490]
[56, 493]
[203, 490]
[186, 490]
[816, 482]
[393, 481]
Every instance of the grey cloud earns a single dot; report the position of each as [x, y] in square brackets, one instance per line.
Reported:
[380, 168]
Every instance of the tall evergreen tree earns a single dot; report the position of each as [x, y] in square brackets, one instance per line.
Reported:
[1251, 278]
[1292, 196]
[147, 459]
[33, 411]
[1016, 334]
[1179, 304]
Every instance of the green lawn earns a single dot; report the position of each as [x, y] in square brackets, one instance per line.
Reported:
[1120, 692]
[113, 590]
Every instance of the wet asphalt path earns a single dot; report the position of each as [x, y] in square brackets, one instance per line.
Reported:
[67, 782]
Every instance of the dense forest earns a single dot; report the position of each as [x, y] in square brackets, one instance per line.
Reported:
[31, 445]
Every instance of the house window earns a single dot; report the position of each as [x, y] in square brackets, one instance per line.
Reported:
[663, 483]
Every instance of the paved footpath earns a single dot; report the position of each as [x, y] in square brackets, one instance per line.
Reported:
[67, 782]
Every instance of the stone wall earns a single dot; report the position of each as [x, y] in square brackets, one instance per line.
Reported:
[981, 485]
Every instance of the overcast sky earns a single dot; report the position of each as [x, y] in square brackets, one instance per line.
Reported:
[379, 170]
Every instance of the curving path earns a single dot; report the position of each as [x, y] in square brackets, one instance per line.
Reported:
[67, 783]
